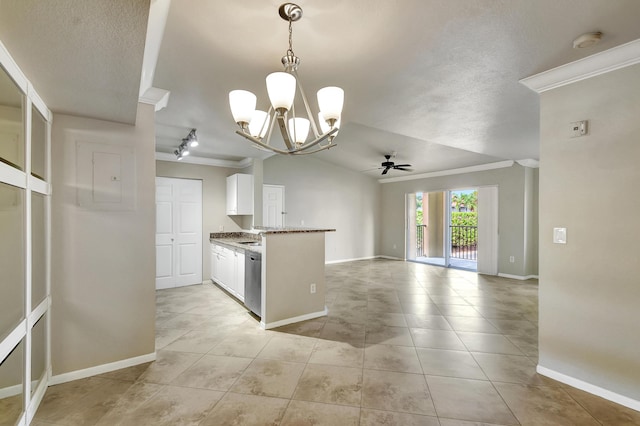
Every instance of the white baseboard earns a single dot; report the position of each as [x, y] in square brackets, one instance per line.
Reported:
[588, 387]
[390, 257]
[10, 391]
[331, 262]
[101, 369]
[518, 277]
[288, 321]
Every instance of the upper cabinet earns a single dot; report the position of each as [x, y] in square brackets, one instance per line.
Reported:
[240, 194]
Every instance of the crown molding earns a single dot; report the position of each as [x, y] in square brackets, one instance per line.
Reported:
[157, 97]
[191, 159]
[471, 169]
[600, 63]
[529, 162]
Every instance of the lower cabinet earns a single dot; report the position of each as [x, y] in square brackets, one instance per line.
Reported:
[227, 269]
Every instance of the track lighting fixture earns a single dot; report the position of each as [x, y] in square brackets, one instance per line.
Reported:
[191, 141]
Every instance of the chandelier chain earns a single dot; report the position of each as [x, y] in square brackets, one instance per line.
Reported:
[290, 50]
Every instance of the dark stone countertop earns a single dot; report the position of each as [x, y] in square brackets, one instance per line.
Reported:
[289, 230]
[233, 240]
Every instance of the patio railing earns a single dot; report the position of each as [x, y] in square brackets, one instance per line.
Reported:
[420, 240]
[464, 242]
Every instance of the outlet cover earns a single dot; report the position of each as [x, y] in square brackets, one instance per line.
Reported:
[312, 288]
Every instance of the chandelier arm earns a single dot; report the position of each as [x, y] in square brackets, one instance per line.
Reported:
[322, 148]
[272, 123]
[282, 123]
[265, 122]
[262, 144]
[306, 105]
[317, 140]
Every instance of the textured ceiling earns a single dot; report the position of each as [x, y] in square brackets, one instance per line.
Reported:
[434, 80]
[83, 56]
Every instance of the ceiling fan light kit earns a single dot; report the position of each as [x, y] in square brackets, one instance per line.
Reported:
[257, 125]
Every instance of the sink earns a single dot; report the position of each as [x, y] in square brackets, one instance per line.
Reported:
[250, 243]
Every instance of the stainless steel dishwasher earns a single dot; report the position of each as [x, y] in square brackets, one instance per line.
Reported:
[253, 282]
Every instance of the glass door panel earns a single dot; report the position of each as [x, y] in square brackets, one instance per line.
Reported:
[12, 145]
[12, 386]
[11, 258]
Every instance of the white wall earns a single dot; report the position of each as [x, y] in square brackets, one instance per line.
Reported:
[214, 200]
[512, 187]
[329, 196]
[103, 262]
[589, 288]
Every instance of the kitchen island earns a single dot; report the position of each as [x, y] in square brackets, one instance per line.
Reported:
[293, 280]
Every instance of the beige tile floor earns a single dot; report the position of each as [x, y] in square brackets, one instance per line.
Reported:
[403, 344]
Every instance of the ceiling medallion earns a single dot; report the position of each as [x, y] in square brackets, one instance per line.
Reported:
[257, 126]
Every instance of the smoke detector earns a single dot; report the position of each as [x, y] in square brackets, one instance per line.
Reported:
[587, 40]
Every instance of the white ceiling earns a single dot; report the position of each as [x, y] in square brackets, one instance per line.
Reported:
[434, 80]
[83, 57]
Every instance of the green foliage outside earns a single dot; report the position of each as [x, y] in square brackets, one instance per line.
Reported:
[464, 236]
[459, 236]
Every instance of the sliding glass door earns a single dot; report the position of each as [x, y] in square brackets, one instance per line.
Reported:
[442, 228]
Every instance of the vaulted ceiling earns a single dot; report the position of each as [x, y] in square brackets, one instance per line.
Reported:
[434, 80]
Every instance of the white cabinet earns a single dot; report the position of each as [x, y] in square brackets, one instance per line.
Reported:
[239, 273]
[240, 194]
[227, 269]
[215, 262]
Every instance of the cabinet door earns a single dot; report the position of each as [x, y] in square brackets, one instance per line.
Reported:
[215, 263]
[245, 194]
[232, 194]
[240, 274]
[226, 263]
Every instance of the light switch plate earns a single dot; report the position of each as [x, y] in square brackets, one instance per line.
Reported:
[560, 235]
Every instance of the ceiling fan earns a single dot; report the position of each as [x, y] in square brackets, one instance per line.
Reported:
[388, 165]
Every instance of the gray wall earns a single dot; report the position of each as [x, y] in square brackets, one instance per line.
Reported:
[512, 186]
[325, 195]
[589, 288]
[103, 262]
[214, 200]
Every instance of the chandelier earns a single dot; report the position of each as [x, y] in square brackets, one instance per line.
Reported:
[257, 126]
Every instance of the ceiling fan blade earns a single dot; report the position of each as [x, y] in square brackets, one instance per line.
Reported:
[384, 172]
[402, 165]
[403, 169]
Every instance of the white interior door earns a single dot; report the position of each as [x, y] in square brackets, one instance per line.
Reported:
[178, 232]
[273, 213]
[488, 230]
